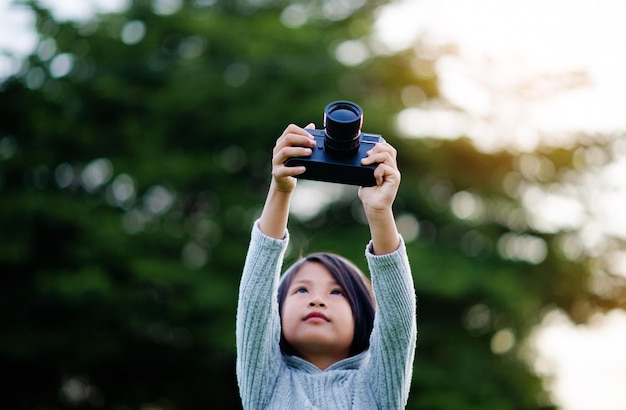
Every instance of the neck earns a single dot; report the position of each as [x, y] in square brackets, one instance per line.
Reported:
[322, 361]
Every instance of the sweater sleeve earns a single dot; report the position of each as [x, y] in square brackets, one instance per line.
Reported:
[258, 321]
[393, 339]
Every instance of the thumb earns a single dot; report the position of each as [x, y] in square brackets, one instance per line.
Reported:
[311, 126]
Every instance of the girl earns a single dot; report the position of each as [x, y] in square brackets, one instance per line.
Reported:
[311, 340]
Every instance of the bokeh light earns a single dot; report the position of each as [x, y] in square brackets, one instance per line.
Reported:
[166, 7]
[408, 227]
[133, 32]
[158, 200]
[8, 147]
[122, 192]
[236, 74]
[523, 248]
[294, 15]
[352, 52]
[503, 341]
[95, 174]
[478, 319]
[468, 206]
[312, 198]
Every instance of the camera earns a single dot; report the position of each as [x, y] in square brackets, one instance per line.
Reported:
[340, 146]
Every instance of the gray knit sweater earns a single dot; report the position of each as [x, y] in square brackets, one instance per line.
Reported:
[378, 378]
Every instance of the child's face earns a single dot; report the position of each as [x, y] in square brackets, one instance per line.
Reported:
[316, 316]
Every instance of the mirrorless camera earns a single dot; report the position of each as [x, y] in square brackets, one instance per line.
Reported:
[340, 146]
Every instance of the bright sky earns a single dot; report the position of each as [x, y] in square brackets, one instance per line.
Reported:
[502, 45]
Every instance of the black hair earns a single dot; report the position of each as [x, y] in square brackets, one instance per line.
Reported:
[356, 287]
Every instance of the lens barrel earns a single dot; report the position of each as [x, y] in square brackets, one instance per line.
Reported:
[342, 124]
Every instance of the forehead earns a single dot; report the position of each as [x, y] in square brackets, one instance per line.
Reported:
[313, 272]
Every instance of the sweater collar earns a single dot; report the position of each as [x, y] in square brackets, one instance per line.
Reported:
[349, 363]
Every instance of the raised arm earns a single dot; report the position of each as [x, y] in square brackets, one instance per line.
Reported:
[258, 320]
[378, 199]
[293, 142]
[393, 339]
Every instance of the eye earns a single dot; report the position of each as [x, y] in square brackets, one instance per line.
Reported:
[336, 292]
[301, 290]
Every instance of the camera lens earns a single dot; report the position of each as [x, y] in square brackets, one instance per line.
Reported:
[342, 124]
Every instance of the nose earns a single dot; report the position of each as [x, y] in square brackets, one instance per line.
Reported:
[316, 301]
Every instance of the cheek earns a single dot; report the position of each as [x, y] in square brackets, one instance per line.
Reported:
[351, 317]
[289, 324]
[346, 314]
[286, 314]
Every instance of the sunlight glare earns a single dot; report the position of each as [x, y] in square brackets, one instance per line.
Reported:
[313, 197]
[552, 67]
[590, 360]
[81, 10]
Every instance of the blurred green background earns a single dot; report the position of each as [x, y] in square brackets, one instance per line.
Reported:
[135, 153]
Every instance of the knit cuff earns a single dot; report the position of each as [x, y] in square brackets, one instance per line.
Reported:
[258, 235]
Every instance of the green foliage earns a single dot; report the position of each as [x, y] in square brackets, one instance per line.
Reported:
[127, 203]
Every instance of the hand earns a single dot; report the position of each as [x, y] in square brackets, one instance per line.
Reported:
[294, 142]
[379, 198]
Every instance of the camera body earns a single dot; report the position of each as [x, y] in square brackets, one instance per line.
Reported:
[322, 167]
[340, 146]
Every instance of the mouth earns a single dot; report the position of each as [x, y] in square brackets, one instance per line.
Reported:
[316, 316]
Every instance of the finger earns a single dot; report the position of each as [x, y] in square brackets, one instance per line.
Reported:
[379, 175]
[386, 171]
[384, 146]
[281, 155]
[284, 171]
[294, 140]
[293, 131]
[387, 147]
[380, 157]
